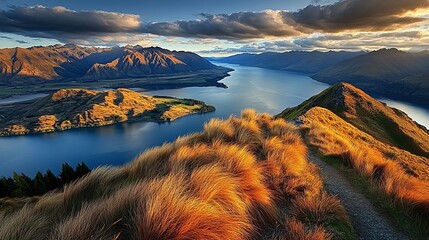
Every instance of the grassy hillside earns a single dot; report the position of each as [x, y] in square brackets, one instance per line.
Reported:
[394, 173]
[241, 178]
[386, 124]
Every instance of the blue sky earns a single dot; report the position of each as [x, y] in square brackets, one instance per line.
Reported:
[221, 27]
[165, 10]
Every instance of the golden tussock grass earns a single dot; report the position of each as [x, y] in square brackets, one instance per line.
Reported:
[396, 177]
[237, 179]
[296, 230]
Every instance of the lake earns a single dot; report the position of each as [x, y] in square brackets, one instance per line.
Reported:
[265, 90]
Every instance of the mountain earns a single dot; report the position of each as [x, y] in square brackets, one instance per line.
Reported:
[388, 72]
[74, 108]
[19, 66]
[388, 125]
[37, 64]
[298, 61]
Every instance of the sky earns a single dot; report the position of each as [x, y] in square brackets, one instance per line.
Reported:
[221, 27]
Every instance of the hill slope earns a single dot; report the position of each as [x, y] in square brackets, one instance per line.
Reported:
[73, 108]
[387, 124]
[389, 72]
[241, 178]
[38, 64]
[298, 61]
[20, 66]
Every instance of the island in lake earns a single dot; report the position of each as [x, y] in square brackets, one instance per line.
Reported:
[75, 108]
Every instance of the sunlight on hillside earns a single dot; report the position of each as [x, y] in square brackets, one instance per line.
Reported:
[240, 178]
[397, 173]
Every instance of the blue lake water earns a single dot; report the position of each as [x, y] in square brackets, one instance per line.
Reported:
[248, 87]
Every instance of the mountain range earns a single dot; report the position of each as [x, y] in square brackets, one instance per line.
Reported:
[387, 72]
[297, 61]
[21, 66]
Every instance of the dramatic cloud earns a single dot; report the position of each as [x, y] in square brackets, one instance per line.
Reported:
[233, 26]
[367, 15]
[414, 40]
[358, 14]
[62, 20]
[107, 28]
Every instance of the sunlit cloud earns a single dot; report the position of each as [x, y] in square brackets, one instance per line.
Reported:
[346, 24]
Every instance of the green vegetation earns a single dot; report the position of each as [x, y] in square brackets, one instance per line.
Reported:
[20, 185]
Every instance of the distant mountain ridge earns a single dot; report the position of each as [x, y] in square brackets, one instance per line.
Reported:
[297, 61]
[388, 72]
[19, 66]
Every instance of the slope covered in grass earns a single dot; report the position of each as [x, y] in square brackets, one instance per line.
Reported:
[396, 173]
[241, 178]
[386, 124]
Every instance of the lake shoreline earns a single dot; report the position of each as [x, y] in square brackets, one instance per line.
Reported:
[202, 78]
[264, 90]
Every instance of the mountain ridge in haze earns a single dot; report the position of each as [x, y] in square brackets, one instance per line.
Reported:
[297, 61]
[387, 72]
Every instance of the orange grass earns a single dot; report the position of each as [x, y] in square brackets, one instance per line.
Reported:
[392, 175]
[234, 180]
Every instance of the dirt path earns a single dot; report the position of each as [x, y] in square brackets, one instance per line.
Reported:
[368, 223]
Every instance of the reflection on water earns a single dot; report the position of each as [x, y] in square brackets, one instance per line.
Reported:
[248, 87]
[21, 98]
[417, 113]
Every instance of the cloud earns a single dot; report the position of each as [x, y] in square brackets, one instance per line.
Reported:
[240, 25]
[373, 15]
[366, 15]
[258, 47]
[408, 40]
[109, 28]
[21, 41]
[5, 37]
[40, 21]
